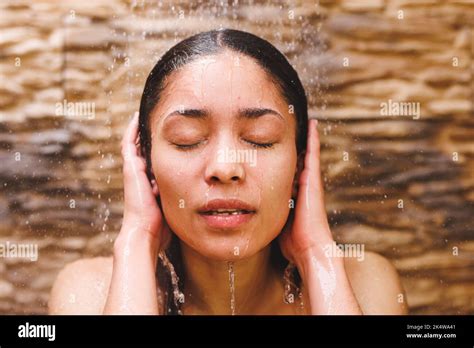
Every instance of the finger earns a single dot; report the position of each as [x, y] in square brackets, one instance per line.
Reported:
[133, 164]
[311, 162]
[130, 137]
[310, 178]
[310, 193]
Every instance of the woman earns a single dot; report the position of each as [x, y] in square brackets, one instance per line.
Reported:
[223, 197]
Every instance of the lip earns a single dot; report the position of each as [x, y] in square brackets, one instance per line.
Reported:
[227, 221]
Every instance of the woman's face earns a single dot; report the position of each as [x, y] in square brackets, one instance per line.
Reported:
[224, 156]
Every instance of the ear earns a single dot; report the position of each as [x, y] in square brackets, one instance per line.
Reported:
[152, 179]
[298, 170]
[154, 187]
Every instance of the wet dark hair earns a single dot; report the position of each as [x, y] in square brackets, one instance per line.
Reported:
[213, 42]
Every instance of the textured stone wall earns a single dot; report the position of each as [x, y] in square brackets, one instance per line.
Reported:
[401, 184]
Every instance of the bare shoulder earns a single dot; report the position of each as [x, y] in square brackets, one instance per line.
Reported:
[81, 287]
[376, 284]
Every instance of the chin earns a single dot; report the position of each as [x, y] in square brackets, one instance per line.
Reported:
[223, 255]
[224, 248]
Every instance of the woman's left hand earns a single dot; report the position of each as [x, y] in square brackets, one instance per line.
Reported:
[307, 241]
[309, 229]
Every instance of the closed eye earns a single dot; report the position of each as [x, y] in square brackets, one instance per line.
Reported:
[260, 145]
[185, 146]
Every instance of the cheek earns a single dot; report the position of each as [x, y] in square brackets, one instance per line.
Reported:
[162, 167]
[276, 182]
[277, 173]
[174, 185]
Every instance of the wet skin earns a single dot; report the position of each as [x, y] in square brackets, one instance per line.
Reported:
[193, 121]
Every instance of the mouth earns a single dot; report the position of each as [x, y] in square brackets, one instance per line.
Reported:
[227, 213]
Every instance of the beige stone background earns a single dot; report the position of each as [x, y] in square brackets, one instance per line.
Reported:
[64, 192]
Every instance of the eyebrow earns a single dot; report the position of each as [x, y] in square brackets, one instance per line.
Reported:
[247, 113]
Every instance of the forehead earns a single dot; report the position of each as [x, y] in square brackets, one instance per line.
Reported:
[222, 82]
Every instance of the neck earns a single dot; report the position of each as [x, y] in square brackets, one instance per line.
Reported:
[208, 286]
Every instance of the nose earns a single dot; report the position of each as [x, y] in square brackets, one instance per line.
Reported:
[223, 165]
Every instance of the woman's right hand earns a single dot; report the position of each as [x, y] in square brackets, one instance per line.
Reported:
[142, 217]
[144, 233]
